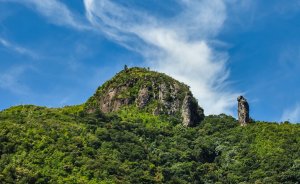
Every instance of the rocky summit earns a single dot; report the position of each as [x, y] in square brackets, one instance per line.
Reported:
[149, 91]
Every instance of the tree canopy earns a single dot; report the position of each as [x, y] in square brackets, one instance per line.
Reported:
[66, 145]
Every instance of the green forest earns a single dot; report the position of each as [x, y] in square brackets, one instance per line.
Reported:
[67, 145]
[148, 143]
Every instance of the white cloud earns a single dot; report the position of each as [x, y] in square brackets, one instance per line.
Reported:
[21, 50]
[292, 115]
[11, 80]
[177, 46]
[287, 9]
[55, 11]
[289, 57]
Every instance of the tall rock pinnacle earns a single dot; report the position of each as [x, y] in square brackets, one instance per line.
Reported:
[243, 111]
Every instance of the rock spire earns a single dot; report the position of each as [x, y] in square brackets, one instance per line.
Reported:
[243, 111]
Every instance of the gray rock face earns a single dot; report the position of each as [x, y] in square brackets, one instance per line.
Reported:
[109, 102]
[243, 111]
[143, 97]
[190, 111]
[169, 103]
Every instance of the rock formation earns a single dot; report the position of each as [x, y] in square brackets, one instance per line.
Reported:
[190, 111]
[148, 91]
[243, 111]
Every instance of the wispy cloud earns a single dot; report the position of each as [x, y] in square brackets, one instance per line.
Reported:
[292, 115]
[55, 12]
[287, 9]
[178, 46]
[11, 80]
[289, 57]
[17, 48]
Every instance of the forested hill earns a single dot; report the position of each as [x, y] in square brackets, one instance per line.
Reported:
[75, 144]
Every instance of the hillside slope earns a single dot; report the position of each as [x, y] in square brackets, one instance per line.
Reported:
[83, 144]
[41, 145]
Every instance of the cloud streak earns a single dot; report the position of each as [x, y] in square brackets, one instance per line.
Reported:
[56, 12]
[178, 46]
[16, 48]
[10, 80]
[292, 115]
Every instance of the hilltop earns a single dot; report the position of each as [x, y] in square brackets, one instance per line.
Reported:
[130, 131]
[147, 91]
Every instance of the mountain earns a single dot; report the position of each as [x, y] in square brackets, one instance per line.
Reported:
[130, 131]
[147, 91]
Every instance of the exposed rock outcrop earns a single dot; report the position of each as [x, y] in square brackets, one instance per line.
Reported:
[143, 97]
[190, 111]
[243, 111]
[149, 91]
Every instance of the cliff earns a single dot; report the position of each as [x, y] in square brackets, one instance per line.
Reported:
[149, 91]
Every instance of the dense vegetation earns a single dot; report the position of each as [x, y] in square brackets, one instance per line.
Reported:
[129, 144]
[42, 145]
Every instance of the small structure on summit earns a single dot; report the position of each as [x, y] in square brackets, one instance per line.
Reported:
[243, 111]
[125, 67]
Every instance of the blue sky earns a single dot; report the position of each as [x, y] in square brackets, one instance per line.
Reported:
[55, 53]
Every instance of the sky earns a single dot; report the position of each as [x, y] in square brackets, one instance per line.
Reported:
[57, 52]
